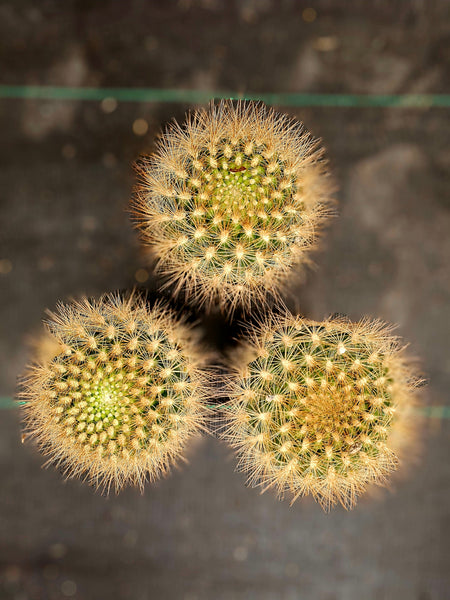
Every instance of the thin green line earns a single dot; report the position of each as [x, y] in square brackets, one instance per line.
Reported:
[38, 92]
[432, 412]
[7, 402]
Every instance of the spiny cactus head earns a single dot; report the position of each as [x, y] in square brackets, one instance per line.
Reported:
[117, 393]
[231, 201]
[320, 408]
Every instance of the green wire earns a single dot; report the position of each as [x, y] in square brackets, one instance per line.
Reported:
[50, 92]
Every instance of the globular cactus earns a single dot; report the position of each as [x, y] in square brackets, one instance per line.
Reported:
[115, 391]
[231, 201]
[320, 408]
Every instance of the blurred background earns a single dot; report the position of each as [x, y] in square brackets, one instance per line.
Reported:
[65, 181]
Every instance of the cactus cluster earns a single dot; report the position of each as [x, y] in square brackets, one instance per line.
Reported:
[118, 392]
[319, 408]
[231, 201]
[228, 204]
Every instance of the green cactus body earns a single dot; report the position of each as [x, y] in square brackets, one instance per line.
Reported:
[119, 393]
[231, 201]
[317, 407]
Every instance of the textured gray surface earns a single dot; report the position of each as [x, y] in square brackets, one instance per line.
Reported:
[64, 183]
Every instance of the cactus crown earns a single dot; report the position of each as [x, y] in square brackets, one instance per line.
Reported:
[119, 394]
[315, 407]
[231, 200]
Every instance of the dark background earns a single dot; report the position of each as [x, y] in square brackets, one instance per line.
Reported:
[65, 180]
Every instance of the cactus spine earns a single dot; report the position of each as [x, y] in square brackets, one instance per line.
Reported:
[319, 408]
[118, 393]
[231, 201]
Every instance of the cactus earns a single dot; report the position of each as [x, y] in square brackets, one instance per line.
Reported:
[320, 408]
[114, 392]
[231, 201]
